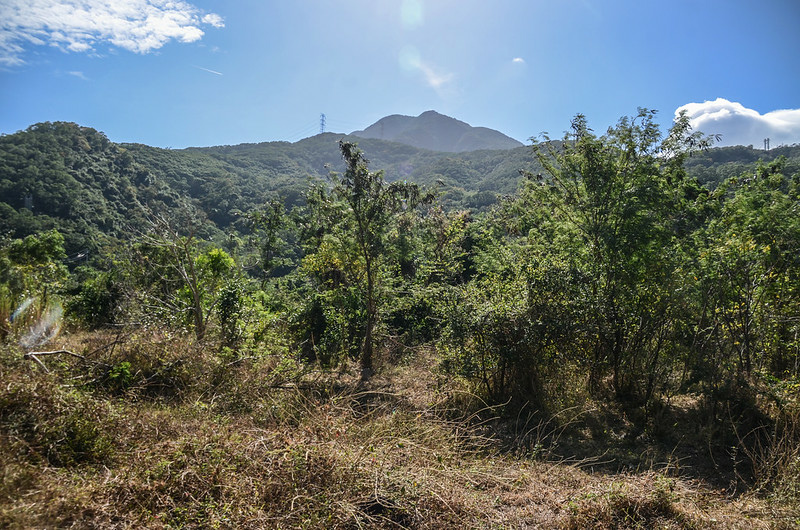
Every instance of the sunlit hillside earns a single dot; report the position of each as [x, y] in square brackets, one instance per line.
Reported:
[598, 331]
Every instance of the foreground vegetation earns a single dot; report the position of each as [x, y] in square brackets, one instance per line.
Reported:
[614, 345]
[151, 430]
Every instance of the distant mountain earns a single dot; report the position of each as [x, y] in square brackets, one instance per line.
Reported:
[437, 132]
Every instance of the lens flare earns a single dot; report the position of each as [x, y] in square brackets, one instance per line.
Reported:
[45, 330]
[21, 309]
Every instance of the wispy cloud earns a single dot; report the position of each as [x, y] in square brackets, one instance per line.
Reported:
[139, 26]
[518, 60]
[739, 125]
[207, 70]
[79, 75]
[435, 78]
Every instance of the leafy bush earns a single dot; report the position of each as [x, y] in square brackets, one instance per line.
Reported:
[96, 301]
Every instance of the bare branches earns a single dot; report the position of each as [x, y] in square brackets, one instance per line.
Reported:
[34, 356]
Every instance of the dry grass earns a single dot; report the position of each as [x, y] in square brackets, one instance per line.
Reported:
[190, 439]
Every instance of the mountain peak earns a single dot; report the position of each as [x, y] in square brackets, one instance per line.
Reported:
[436, 132]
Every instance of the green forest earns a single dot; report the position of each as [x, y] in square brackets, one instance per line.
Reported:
[599, 330]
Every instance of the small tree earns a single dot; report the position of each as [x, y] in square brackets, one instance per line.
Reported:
[183, 279]
[751, 269]
[616, 204]
[357, 211]
[268, 227]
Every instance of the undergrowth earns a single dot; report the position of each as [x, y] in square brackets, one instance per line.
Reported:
[156, 430]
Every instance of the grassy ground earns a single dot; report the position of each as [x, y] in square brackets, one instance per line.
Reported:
[154, 431]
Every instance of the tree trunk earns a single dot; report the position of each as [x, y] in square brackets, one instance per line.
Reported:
[366, 349]
[197, 309]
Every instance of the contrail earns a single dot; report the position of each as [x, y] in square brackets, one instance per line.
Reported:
[207, 70]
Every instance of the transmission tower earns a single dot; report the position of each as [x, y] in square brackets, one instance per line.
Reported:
[321, 123]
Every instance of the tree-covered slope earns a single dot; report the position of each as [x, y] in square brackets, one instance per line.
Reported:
[713, 166]
[61, 175]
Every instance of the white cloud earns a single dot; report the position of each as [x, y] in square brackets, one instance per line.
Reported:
[518, 60]
[213, 19]
[79, 75]
[739, 125]
[139, 26]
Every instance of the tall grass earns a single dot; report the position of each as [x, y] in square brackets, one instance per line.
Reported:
[153, 429]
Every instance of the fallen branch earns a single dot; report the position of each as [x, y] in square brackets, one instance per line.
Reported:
[34, 355]
[240, 359]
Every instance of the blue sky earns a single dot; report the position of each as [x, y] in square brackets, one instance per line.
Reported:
[196, 73]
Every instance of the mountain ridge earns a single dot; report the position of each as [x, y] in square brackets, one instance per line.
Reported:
[437, 132]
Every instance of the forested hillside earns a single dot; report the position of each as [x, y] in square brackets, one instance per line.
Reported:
[596, 331]
[61, 175]
[713, 166]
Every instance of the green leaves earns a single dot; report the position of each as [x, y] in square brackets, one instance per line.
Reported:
[347, 234]
[33, 264]
[32, 278]
[751, 269]
[596, 242]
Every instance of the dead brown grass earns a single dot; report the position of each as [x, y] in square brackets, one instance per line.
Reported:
[228, 444]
